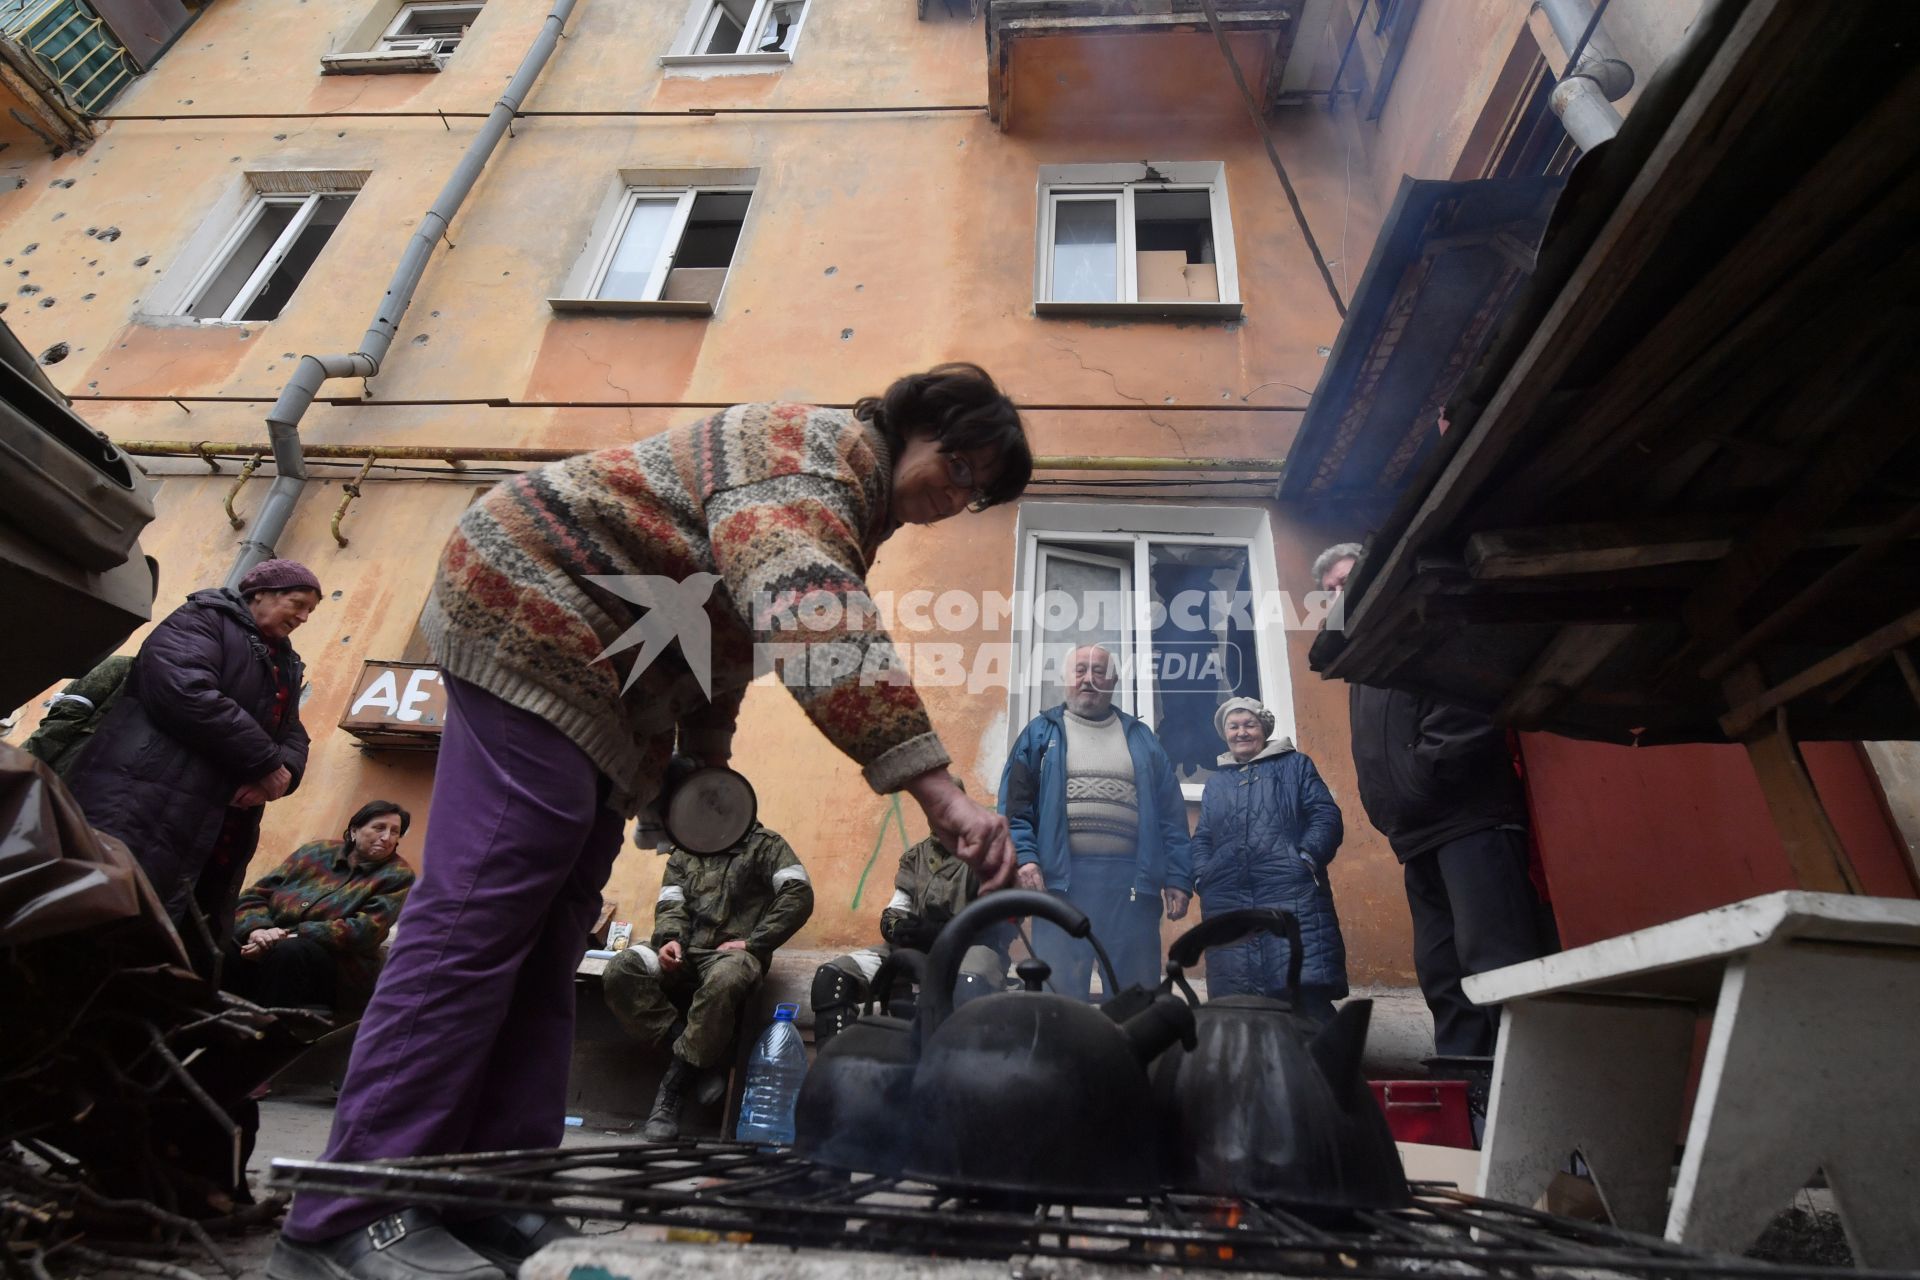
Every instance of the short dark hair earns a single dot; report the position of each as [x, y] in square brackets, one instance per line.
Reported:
[959, 406]
[377, 809]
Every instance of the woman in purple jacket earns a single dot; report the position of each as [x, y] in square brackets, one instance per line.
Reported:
[207, 732]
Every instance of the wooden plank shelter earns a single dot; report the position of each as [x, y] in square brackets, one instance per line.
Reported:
[1679, 500]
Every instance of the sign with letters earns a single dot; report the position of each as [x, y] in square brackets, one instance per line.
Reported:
[397, 704]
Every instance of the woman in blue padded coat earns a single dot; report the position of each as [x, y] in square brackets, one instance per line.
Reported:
[1268, 828]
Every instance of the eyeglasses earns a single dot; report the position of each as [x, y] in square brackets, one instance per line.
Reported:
[960, 476]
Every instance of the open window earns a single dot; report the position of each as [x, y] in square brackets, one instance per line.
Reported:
[1184, 598]
[432, 28]
[1154, 239]
[257, 266]
[750, 31]
[664, 249]
[413, 35]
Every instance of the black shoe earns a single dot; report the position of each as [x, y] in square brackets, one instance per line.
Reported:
[837, 996]
[409, 1245]
[663, 1122]
[509, 1239]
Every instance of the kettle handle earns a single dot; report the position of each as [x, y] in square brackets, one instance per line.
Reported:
[880, 987]
[1232, 926]
[943, 962]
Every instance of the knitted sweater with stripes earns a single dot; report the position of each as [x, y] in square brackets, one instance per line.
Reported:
[780, 503]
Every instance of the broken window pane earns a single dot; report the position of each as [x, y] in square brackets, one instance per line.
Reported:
[783, 23]
[1085, 251]
[639, 248]
[1204, 648]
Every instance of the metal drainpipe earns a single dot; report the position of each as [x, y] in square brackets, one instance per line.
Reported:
[1587, 90]
[283, 420]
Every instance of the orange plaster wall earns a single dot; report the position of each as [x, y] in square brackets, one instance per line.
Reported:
[877, 245]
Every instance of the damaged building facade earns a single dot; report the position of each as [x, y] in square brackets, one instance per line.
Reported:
[709, 202]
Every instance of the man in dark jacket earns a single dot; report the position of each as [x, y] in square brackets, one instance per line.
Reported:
[1439, 784]
[206, 733]
[1098, 819]
[718, 921]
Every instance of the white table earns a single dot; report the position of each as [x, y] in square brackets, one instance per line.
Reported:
[1812, 1063]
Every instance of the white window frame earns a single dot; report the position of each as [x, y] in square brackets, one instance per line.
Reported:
[393, 34]
[1132, 529]
[1120, 183]
[590, 273]
[669, 242]
[1045, 549]
[256, 208]
[700, 23]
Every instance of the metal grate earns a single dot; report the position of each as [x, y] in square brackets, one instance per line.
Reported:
[74, 45]
[775, 1197]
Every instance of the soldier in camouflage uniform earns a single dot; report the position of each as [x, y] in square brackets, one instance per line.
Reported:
[716, 925]
[76, 711]
[928, 890]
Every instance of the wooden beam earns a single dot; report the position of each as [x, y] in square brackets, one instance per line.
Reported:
[1813, 846]
[1839, 217]
[1842, 690]
[1562, 551]
[1750, 712]
[1840, 575]
[1552, 608]
[1907, 673]
[1882, 428]
[1569, 659]
[1766, 42]
[1570, 550]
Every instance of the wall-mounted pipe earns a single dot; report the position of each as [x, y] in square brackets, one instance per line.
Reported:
[456, 454]
[283, 420]
[1595, 76]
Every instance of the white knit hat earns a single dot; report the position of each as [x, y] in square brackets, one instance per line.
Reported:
[1254, 705]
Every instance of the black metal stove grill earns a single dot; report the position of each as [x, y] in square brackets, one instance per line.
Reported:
[739, 1192]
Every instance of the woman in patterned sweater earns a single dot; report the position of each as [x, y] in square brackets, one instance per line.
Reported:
[309, 931]
[565, 704]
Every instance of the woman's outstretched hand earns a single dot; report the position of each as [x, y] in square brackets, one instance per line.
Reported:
[975, 833]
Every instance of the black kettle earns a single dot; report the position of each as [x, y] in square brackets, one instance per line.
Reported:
[1268, 1105]
[853, 1111]
[1031, 1092]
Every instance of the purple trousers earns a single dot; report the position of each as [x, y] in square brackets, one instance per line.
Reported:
[466, 1044]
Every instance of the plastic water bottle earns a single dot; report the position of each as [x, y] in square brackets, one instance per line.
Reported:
[774, 1075]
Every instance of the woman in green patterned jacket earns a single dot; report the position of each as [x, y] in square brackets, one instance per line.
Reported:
[309, 931]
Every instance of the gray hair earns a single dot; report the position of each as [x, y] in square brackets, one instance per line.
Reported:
[1332, 556]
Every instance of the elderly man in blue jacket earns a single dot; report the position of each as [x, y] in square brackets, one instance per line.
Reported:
[1097, 818]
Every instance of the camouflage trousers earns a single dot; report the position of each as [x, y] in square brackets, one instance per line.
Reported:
[708, 990]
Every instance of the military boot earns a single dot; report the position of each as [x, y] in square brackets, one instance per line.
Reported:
[710, 1086]
[837, 996]
[663, 1122]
